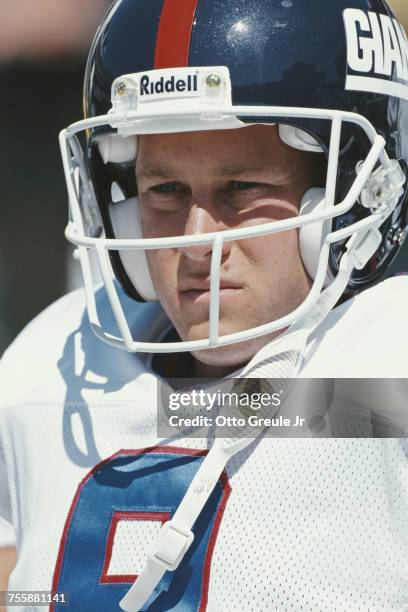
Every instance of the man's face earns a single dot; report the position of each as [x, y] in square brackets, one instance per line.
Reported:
[203, 182]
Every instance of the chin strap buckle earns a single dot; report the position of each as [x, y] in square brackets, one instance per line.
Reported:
[363, 246]
[167, 554]
[171, 546]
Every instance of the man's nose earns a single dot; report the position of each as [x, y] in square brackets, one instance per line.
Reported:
[203, 219]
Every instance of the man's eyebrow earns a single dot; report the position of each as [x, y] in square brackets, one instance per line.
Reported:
[164, 172]
[236, 169]
[160, 172]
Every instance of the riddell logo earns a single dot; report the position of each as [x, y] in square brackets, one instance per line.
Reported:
[149, 87]
[377, 54]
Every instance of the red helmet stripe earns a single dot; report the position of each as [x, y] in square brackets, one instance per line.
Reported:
[174, 35]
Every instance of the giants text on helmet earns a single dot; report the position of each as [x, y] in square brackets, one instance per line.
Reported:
[376, 45]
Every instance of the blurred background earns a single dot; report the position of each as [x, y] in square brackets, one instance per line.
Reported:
[43, 47]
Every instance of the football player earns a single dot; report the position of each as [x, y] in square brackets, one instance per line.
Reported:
[240, 183]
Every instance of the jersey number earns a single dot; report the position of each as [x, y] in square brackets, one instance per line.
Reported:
[117, 510]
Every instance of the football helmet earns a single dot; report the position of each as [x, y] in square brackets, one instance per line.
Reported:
[333, 76]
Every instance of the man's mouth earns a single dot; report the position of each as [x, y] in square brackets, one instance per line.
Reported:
[199, 292]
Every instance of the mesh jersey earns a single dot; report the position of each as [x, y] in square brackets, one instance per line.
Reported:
[303, 525]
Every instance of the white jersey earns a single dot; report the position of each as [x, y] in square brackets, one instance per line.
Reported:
[293, 524]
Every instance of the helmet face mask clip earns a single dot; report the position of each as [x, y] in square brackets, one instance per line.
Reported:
[351, 216]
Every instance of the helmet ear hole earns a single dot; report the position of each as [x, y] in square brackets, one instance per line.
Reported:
[311, 237]
[126, 224]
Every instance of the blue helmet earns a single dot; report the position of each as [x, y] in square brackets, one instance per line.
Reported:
[333, 76]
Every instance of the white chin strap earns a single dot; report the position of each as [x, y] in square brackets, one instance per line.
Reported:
[279, 363]
[126, 223]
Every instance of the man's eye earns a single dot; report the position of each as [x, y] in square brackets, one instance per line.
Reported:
[244, 186]
[166, 188]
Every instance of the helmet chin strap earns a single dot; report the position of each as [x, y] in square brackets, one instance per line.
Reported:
[281, 359]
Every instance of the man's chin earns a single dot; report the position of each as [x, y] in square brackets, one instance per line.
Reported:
[230, 357]
[224, 359]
